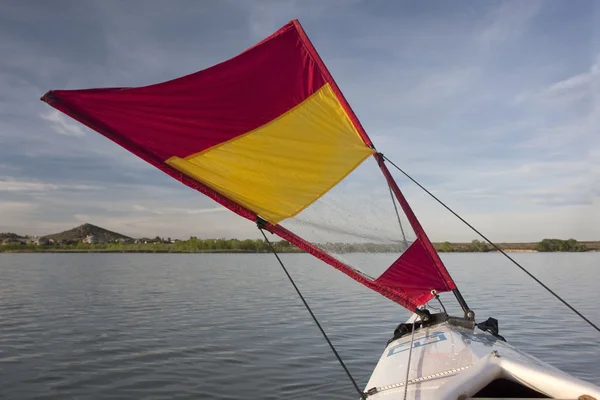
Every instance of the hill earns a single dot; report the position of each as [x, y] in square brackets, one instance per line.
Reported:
[9, 235]
[81, 232]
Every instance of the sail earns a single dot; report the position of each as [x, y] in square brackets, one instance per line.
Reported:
[266, 134]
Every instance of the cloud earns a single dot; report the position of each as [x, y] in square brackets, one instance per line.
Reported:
[583, 86]
[177, 211]
[175, 224]
[8, 207]
[83, 218]
[8, 184]
[5, 168]
[264, 17]
[572, 222]
[62, 124]
[438, 87]
[13, 213]
[508, 21]
[492, 106]
[574, 109]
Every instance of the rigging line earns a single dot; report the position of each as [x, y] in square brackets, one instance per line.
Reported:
[398, 216]
[495, 246]
[437, 297]
[360, 392]
[412, 338]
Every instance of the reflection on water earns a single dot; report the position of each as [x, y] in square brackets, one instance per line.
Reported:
[231, 326]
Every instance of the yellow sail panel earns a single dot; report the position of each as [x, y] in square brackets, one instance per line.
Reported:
[282, 167]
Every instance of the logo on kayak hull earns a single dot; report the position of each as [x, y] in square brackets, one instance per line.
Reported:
[417, 342]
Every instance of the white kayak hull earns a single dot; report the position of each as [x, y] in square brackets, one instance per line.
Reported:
[452, 362]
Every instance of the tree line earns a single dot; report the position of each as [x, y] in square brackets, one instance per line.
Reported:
[570, 245]
[196, 245]
[546, 245]
[192, 245]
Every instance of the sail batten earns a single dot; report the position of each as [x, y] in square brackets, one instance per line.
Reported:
[267, 134]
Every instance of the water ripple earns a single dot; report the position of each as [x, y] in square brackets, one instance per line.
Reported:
[230, 326]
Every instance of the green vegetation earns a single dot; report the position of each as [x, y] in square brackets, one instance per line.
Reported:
[571, 245]
[445, 247]
[475, 246]
[90, 238]
[193, 245]
[545, 245]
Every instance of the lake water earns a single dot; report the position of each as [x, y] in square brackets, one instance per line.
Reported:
[176, 326]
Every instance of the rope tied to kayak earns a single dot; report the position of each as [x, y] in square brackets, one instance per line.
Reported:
[437, 297]
[412, 338]
[421, 379]
[362, 395]
[493, 244]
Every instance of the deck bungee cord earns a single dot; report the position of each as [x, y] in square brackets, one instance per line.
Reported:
[410, 351]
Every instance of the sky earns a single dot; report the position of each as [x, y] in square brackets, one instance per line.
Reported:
[493, 106]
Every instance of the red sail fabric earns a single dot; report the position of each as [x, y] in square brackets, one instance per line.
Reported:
[203, 110]
[414, 274]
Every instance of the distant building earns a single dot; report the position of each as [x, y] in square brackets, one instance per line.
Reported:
[42, 241]
[10, 241]
[90, 239]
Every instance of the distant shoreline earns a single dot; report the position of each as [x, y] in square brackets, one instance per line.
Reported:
[88, 238]
[137, 251]
[223, 251]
